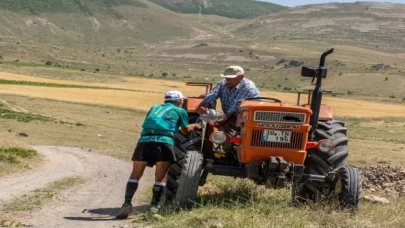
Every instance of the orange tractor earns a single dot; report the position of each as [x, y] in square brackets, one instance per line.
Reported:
[277, 144]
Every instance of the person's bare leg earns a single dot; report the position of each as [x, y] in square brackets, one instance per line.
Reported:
[138, 167]
[161, 171]
[160, 182]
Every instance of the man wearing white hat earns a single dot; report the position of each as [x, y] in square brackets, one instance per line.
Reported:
[231, 91]
[155, 147]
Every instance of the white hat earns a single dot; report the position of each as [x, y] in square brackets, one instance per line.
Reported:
[174, 95]
[233, 72]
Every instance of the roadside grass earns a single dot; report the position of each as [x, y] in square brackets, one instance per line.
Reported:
[14, 159]
[40, 196]
[240, 203]
[10, 223]
[13, 154]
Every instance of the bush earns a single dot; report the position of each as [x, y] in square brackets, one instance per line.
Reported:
[49, 63]
[164, 74]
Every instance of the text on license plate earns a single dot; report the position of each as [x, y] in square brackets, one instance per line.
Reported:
[276, 136]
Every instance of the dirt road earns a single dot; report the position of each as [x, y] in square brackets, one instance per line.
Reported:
[92, 204]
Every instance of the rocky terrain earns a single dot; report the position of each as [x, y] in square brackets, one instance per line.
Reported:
[384, 179]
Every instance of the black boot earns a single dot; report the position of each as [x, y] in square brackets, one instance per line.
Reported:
[126, 209]
[156, 204]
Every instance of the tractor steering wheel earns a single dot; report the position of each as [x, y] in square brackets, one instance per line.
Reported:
[264, 98]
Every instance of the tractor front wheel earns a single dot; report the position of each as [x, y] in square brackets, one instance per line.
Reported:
[189, 179]
[347, 187]
[183, 176]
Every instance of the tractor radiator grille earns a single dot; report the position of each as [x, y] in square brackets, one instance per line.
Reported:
[296, 141]
[285, 117]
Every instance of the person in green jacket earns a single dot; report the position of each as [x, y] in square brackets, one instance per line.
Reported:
[155, 147]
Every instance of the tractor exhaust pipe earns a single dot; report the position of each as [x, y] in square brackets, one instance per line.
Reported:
[316, 99]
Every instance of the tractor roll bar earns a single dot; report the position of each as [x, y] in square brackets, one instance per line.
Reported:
[208, 86]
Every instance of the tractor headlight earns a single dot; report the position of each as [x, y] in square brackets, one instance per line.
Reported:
[325, 146]
[218, 137]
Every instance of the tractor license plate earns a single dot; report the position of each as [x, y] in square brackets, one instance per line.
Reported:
[276, 136]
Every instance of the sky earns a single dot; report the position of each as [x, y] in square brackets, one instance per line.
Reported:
[305, 2]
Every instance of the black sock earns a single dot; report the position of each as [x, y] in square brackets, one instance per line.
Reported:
[158, 189]
[132, 185]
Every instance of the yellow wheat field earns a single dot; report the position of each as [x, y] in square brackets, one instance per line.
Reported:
[143, 100]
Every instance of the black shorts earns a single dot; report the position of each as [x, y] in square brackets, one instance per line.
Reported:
[153, 152]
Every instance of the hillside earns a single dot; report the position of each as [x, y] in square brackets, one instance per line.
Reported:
[372, 24]
[150, 41]
[239, 9]
[90, 32]
[91, 22]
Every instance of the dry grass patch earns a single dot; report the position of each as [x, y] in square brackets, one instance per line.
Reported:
[40, 196]
[17, 159]
[376, 141]
[371, 152]
[111, 130]
[143, 100]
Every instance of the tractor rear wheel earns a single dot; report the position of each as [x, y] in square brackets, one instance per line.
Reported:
[321, 163]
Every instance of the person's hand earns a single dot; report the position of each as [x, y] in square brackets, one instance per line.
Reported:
[195, 126]
[202, 110]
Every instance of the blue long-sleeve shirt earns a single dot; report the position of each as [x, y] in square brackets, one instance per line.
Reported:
[231, 98]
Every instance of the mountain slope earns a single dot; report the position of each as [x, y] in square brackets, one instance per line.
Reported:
[376, 24]
[239, 9]
[91, 22]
